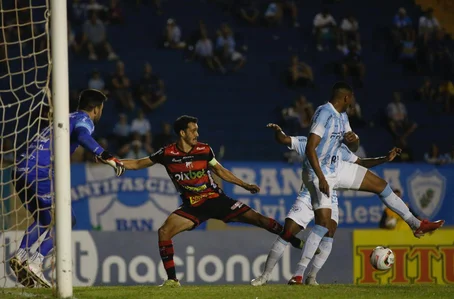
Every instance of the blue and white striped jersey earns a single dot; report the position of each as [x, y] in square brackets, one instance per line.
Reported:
[299, 145]
[331, 126]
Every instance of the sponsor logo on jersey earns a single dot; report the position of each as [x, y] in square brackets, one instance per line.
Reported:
[191, 175]
[195, 188]
[197, 198]
[337, 135]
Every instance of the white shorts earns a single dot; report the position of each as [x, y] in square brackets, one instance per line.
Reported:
[348, 176]
[302, 213]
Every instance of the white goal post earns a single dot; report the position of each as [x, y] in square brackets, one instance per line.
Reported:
[62, 181]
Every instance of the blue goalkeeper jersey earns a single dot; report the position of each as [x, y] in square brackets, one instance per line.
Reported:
[38, 152]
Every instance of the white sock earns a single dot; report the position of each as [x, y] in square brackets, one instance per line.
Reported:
[21, 254]
[310, 247]
[319, 260]
[392, 201]
[275, 254]
[37, 258]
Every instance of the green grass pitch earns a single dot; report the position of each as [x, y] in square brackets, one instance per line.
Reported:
[245, 292]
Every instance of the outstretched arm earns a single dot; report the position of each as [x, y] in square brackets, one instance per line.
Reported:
[136, 164]
[86, 141]
[279, 135]
[84, 138]
[228, 176]
[371, 162]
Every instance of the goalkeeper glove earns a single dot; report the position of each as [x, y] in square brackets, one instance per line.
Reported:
[116, 164]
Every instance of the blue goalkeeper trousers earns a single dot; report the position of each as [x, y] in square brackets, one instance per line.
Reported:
[34, 189]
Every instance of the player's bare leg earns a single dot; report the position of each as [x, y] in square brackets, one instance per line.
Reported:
[254, 218]
[173, 225]
[291, 228]
[375, 184]
[325, 249]
[320, 229]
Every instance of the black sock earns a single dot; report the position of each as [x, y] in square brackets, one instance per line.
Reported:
[274, 227]
[166, 252]
[289, 237]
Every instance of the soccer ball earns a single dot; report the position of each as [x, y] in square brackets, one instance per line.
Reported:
[382, 258]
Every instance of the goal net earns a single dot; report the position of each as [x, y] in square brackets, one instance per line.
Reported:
[25, 111]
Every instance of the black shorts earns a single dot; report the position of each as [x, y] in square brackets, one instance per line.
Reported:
[222, 208]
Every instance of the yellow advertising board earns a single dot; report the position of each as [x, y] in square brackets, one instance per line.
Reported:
[426, 260]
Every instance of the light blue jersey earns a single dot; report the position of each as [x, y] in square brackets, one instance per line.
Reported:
[331, 126]
[299, 145]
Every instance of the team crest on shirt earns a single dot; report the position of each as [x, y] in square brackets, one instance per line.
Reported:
[427, 192]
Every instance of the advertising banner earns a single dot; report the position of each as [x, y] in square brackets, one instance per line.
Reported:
[425, 187]
[137, 201]
[141, 200]
[201, 257]
[426, 260]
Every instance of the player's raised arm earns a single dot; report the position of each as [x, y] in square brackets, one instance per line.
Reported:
[371, 162]
[279, 135]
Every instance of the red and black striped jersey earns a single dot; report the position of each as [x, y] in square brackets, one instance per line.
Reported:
[189, 171]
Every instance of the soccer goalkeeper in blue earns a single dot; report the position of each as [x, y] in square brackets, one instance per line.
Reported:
[33, 178]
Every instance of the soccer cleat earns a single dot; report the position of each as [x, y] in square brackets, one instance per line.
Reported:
[310, 280]
[296, 280]
[426, 227]
[22, 277]
[36, 272]
[259, 281]
[171, 283]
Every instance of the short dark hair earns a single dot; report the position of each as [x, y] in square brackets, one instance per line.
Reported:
[339, 87]
[90, 98]
[181, 123]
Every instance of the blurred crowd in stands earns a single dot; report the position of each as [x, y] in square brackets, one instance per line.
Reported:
[419, 43]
